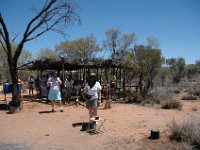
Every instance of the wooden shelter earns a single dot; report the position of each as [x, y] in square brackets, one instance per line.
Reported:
[102, 68]
[49, 64]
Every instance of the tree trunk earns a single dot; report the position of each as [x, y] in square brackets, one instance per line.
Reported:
[14, 77]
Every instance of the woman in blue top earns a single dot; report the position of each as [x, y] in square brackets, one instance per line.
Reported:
[54, 92]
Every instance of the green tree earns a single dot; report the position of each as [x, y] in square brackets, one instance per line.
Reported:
[82, 48]
[47, 53]
[147, 62]
[53, 16]
[177, 66]
[24, 58]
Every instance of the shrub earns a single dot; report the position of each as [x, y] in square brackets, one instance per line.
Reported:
[151, 100]
[162, 93]
[172, 104]
[189, 97]
[177, 91]
[188, 131]
[197, 93]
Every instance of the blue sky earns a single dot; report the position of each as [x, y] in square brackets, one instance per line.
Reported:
[175, 23]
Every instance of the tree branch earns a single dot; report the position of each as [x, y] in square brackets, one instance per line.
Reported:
[27, 32]
[6, 38]
[49, 18]
[2, 35]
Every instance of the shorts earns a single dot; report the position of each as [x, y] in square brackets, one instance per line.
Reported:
[91, 103]
[30, 86]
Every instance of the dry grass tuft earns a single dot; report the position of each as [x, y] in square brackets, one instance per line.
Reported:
[172, 104]
[188, 131]
[189, 97]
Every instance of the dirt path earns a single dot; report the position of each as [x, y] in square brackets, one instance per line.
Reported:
[126, 126]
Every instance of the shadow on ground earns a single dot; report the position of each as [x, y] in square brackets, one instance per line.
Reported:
[4, 107]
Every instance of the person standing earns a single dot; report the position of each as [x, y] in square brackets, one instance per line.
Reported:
[43, 86]
[30, 85]
[54, 92]
[113, 86]
[93, 91]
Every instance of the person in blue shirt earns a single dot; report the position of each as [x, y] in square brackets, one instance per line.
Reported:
[54, 92]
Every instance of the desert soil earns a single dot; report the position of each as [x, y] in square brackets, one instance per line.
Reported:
[123, 127]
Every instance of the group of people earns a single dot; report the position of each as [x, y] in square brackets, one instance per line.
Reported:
[47, 87]
[92, 92]
[51, 88]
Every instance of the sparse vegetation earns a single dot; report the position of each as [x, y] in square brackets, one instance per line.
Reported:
[189, 97]
[188, 131]
[171, 104]
[177, 91]
[197, 93]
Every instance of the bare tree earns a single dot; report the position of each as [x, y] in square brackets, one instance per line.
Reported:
[53, 16]
[111, 42]
[118, 44]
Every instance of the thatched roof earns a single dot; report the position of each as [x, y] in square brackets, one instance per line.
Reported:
[49, 64]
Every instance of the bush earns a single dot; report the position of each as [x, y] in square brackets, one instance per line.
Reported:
[162, 93]
[197, 93]
[151, 100]
[189, 97]
[177, 91]
[172, 104]
[188, 131]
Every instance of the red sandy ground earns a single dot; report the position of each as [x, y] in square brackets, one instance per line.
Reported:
[126, 126]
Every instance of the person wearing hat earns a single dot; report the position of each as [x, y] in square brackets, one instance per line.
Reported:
[93, 95]
[54, 92]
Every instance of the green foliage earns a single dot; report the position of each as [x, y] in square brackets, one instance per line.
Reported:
[177, 66]
[82, 48]
[147, 62]
[47, 54]
[4, 69]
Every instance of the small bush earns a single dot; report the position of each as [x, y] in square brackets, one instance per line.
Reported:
[189, 97]
[177, 91]
[172, 104]
[188, 131]
[161, 93]
[197, 93]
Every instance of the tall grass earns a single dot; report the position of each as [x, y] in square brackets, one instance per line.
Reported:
[187, 131]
